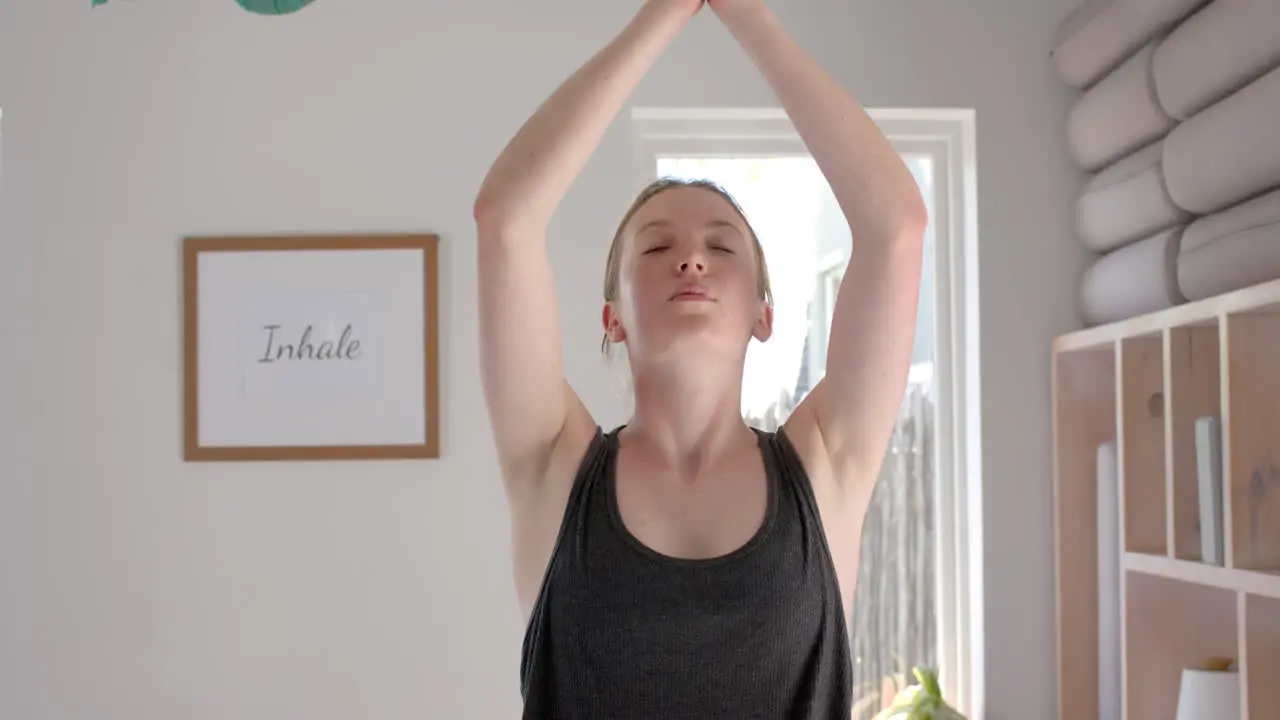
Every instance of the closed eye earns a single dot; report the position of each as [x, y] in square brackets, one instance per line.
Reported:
[719, 243]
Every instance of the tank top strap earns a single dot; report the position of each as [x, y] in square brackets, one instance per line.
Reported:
[590, 470]
[795, 478]
[789, 466]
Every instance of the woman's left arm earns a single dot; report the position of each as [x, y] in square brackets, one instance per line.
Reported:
[873, 327]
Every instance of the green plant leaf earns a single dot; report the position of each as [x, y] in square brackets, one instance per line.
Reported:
[929, 680]
[922, 701]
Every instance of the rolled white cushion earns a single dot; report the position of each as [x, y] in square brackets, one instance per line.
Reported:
[1100, 34]
[1230, 250]
[1229, 152]
[1127, 202]
[1136, 279]
[1118, 115]
[1075, 21]
[1215, 52]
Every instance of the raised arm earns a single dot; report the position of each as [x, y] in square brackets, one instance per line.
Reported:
[873, 326]
[528, 398]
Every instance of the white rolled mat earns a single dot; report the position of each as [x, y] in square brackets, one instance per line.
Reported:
[1215, 52]
[1118, 115]
[1228, 152]
[1127, 202]
[1134, 280]
[1065, 44]
[1230, 250]
[1093, 40]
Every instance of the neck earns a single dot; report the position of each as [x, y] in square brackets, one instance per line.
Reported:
[689, 419]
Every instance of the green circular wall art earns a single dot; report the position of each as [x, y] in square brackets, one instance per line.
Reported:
[274, 7]
[261, 7]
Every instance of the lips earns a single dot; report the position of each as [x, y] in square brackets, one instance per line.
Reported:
[692, 292]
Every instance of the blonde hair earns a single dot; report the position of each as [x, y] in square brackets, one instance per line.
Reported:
[613, 265]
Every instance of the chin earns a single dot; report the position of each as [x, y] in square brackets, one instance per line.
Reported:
[700, 341]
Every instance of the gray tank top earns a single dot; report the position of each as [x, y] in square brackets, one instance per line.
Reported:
[619, 631]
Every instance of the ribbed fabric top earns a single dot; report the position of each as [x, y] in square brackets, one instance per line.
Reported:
[620, 631]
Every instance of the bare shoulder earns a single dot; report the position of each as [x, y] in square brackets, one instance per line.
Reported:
[538, 502]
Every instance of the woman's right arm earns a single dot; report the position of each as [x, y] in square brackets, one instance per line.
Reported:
[529, 401]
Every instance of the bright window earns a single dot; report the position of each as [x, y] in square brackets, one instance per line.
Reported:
[914, 591]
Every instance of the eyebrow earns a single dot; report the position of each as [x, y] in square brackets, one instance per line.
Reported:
[667, 223]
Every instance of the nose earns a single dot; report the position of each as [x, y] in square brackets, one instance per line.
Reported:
[694, 263]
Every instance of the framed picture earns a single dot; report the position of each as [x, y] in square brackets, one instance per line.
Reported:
[311, 348]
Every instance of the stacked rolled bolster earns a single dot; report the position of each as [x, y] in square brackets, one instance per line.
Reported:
[1178, 125]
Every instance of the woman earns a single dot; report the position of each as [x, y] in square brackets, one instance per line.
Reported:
[685, 564]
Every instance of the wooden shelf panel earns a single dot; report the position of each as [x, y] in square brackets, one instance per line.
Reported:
[1252, 438]
[1142, 449]
[1193, 391]
[1171, 625]
[1084, 407]
[1247, 581]
[1262, 657]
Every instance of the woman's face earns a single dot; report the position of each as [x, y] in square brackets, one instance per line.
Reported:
[688, 278]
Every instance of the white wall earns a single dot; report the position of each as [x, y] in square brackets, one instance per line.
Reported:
[136, 587]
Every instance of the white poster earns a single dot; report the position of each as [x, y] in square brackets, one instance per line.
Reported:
[311, 348]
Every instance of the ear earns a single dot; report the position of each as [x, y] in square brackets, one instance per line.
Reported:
[612, 321]
[763, 329]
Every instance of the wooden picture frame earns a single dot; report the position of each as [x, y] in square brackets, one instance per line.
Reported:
[311, 348]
